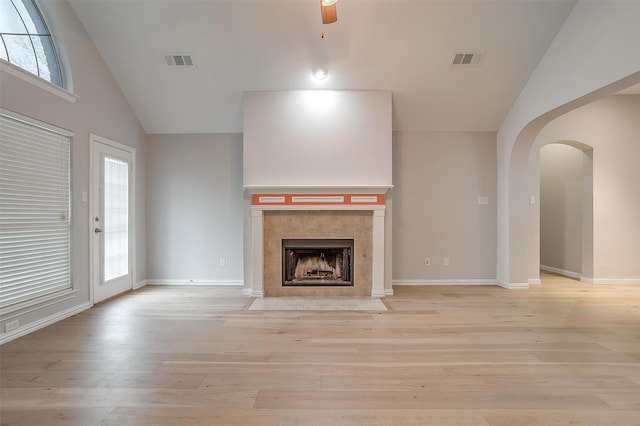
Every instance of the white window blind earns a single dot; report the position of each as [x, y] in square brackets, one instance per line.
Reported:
[35, 222]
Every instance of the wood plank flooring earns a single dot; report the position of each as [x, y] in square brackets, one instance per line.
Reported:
[560, 353]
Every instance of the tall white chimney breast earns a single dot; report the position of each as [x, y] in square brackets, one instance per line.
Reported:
[317, 138]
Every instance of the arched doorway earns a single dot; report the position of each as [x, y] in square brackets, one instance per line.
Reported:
[514, 190]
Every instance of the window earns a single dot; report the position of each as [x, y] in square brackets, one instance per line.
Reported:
[116, 218]
[26, 40]
[35, 210]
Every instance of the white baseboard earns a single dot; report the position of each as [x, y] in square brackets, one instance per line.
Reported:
[461, 282]
[513, 286]
[611, 281]
[535, 281]
[563, 272]
[588, 280]
[213, 283]
[140, 284]
[41, 323]
[388, 291]
[444, 282]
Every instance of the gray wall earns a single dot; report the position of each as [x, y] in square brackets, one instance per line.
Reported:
[194, 202]
[101, 109]
[438, 177]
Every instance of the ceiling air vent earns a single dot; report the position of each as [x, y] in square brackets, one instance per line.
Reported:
[179, 60]
[467, 59]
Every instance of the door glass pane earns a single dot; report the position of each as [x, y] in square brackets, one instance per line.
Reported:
[116, 218]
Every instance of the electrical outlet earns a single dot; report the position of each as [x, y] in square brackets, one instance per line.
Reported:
[222, 262]
[427, 261]
[11, 325]
[446, 261]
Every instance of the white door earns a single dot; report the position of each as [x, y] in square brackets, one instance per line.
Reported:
[111, 218]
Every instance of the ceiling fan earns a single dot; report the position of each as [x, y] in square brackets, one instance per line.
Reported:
[328, 11]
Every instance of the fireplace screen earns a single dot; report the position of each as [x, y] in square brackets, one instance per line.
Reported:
[317, 262]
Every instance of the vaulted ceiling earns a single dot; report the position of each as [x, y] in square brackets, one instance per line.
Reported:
[404, 46]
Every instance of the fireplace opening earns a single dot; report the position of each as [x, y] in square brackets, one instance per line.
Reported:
[317, 262]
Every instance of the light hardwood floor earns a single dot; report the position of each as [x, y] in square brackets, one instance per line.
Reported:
[557, 354]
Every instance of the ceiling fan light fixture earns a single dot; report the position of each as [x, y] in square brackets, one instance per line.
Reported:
[329, 2]
[328, 12]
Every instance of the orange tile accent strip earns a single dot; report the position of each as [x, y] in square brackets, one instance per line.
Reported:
[316, 199]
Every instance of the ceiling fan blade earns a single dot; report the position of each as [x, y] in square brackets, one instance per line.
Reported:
[329, 13]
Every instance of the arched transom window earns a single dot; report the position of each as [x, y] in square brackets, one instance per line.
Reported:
[26, 40]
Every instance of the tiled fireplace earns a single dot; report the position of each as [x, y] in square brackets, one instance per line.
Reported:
[339, 240]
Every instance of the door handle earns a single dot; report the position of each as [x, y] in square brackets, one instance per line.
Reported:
[97, 230]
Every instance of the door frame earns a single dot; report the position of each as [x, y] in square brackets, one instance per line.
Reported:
[93, 175]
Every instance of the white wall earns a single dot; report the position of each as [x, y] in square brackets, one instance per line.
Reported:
[100, 108]
[611, 126]
[561, 206]
[194, 199]
[438, 178]
[317, 138]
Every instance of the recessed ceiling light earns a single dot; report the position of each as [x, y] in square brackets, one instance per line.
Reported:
[320, 74]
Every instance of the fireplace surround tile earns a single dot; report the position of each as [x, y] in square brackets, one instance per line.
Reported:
[293, 226]
[273, 226]
[317, 226]
[362, 252]
[272, 251]
[363, 227]
[342, 226]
